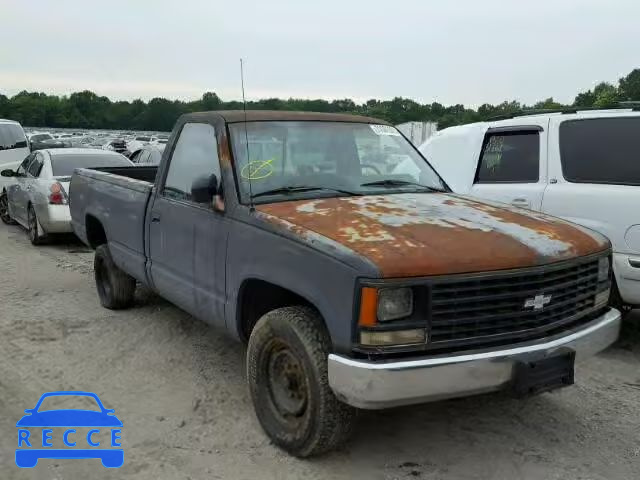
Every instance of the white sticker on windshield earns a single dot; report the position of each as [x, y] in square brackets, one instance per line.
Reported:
[384, 130]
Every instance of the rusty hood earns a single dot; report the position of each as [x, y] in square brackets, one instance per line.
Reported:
[434, 234]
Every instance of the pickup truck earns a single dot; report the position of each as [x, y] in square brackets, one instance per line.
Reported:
[580, 165]
[354, 287]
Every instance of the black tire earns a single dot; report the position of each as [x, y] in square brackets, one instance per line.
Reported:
[116, 288]
[287, 377]
[33, 229]
[4, 210]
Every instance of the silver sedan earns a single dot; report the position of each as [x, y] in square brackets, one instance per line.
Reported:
[38, 197]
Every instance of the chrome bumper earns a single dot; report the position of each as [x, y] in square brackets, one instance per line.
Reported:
[373, 385]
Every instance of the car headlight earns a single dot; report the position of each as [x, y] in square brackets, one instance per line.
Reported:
[603, 269]
[394, 303]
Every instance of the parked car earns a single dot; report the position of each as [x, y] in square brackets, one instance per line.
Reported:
[149, 155]
[40, 141]
[578, 165]
[138, 142]
[14, 147]
[38, 197]
[353, 286]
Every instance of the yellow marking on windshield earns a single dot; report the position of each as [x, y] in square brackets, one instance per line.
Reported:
[257, 169]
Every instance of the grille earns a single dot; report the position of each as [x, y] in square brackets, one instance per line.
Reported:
[490, 309]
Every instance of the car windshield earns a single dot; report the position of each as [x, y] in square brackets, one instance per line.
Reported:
[143, 139]
[63, 165]
[101, 141]
[309, 159]
[69, 402]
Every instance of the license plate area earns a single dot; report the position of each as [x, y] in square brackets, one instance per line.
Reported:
[544, 375]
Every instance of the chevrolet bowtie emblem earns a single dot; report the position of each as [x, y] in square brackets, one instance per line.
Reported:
[538, 302]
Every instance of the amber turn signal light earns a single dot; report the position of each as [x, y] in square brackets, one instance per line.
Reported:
[368, 307]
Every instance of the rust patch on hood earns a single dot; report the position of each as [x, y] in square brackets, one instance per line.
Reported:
[434, 234]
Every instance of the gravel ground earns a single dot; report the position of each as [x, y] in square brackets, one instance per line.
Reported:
[178, 386]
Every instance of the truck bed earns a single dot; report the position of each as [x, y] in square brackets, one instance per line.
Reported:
[116, 199]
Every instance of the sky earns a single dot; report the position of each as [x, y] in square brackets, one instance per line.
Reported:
[447, 51]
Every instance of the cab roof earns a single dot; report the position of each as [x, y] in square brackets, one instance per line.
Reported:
[238, 116]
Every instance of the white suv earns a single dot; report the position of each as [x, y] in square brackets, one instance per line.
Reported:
[581, 165]
[14, 148]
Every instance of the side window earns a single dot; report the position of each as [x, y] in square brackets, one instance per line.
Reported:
[36, 166]
[12, 136]
[510, 157]
[601, 150]
[195, 155]
[22, 169]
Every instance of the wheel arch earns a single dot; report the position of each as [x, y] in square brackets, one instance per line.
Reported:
[257, 296]
[94, 230]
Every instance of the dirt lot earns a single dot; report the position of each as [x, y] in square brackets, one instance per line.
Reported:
[178, 386]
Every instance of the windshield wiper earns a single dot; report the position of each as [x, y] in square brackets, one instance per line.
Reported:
[301, 188]
[398, 183]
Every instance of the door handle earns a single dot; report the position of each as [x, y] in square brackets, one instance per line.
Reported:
[155, 217]
[520, 202]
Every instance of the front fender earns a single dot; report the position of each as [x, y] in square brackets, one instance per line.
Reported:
[326, 282]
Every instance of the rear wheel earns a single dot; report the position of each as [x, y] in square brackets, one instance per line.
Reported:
[287, 376]
[4, 210]
[36, 235]
[115, 287]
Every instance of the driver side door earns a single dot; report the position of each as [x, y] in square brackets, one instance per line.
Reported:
[187, 240]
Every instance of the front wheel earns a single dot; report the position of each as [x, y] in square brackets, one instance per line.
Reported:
[287, 376]
[115, 287]
[4, 210]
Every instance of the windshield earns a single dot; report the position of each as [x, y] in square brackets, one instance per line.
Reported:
[143, 139]
[354, 158]
[64, 165]
[101, 141]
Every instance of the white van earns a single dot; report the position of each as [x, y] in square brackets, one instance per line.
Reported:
[580, 165]
[14, 148]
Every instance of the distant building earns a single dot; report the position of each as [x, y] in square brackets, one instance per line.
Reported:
[418, 132]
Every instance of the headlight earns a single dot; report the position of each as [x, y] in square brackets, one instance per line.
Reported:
[394, 303]
[603, 269]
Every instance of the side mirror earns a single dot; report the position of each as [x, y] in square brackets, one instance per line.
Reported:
[29, 410]
[8, 173]
[204, 188]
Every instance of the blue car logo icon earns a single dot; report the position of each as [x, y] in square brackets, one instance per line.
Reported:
[32, 447]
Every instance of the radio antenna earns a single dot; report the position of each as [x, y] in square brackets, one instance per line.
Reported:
[246, 136]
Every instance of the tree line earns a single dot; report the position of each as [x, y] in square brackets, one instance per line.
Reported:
[88, 110]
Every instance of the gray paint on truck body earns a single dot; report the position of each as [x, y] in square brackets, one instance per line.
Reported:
[318, 269]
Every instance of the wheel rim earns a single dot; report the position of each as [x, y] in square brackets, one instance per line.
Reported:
[287, 382]
[4, 208]
[33, 224]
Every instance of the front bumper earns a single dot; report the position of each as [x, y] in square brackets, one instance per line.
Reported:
[374, 385]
